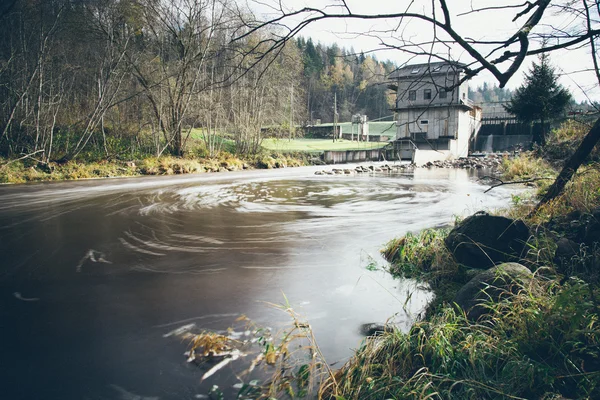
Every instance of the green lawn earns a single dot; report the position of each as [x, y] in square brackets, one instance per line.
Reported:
[304, 145]
[317, 145]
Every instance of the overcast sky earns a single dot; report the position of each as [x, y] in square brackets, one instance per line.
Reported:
[486, 25]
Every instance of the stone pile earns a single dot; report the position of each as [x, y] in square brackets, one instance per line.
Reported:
[491, 161]
[361, 169]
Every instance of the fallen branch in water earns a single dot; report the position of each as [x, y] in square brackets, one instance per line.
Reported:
[502, 183]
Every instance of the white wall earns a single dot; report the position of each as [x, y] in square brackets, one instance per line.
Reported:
[442, 121]
[424, 156]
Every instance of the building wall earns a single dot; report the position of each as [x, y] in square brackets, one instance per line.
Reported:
[469, 125]
[435, 84]
[441, 122]
[441, 128]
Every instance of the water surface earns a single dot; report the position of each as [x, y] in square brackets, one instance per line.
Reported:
[95, 274]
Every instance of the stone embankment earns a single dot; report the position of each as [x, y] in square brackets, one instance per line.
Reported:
[490, 161]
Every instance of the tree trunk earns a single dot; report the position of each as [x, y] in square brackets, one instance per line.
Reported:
[571, 165]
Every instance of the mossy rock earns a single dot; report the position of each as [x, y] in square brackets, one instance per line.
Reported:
[492, 285]
[483, 240]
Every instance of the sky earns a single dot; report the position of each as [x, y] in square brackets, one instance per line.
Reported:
[489, 25]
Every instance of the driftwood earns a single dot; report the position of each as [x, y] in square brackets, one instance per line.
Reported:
[21, 158]
[502, 183]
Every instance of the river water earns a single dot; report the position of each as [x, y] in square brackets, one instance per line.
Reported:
[95, 275]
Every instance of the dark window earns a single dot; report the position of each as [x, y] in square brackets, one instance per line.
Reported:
[427, 94]
[424, 121]
[443, 94]
[412, 94]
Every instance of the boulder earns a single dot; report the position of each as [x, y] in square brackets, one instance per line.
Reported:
[483, 240]
[375, 329]
[566, 249]
[592, 233]
[494, 284]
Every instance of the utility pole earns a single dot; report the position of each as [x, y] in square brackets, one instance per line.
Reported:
[334, 116]
[291, 111]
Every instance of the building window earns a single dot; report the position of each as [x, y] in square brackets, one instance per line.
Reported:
[415, 71]
[442, 94]
[427, 94]
[412, 95]
[424, 122]
[437, 69]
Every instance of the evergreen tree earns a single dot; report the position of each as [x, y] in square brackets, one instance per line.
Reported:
[540, 97]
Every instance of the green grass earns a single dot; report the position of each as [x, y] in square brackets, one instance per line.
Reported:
[423, 256]
[386, 128]
[317, 145]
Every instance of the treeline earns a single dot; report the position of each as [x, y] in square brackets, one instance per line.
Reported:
[487, 93]
[358, 82]
[127, 78]
[119, 78]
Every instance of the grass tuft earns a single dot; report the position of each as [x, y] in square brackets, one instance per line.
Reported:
[423, 256]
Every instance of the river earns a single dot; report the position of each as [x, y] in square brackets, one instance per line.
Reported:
[94, 275]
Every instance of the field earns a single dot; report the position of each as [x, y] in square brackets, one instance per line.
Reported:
[317, 145]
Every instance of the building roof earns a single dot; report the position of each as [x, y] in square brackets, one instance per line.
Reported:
[419, 70]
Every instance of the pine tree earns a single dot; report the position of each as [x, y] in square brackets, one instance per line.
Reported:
[539, 98]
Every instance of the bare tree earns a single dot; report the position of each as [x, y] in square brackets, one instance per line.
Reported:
[182, 35]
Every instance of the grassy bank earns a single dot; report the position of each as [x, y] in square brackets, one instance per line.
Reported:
[28, 170]
[541, 343]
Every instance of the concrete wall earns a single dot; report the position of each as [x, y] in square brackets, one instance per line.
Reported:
[510, 128]
[372, 138]
[424, 156]
[468, 126]
[346, 156]
[491, 143]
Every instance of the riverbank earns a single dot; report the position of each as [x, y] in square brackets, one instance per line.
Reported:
[29, 170]
[533, 334]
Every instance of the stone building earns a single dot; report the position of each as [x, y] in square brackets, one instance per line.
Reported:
[435, 118]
